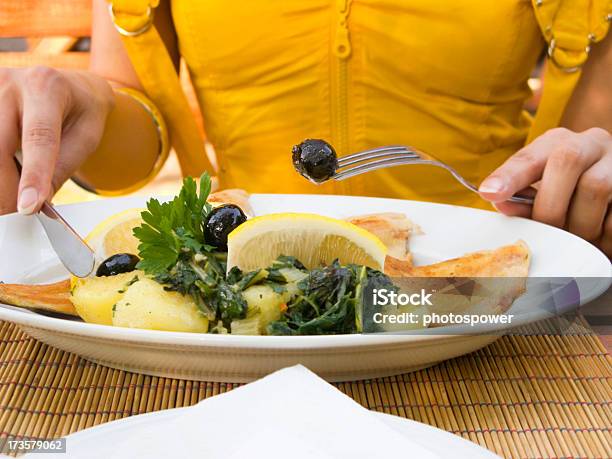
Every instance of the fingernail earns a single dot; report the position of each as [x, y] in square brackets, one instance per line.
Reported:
[492, 185]
[28, 199]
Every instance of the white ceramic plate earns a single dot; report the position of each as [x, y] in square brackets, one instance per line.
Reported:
[449, 231]
[107, 436]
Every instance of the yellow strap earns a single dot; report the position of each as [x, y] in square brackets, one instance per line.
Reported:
[569, 27]
[149, 56]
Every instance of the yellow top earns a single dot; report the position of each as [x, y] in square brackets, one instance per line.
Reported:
[449, 78]
[445, 77]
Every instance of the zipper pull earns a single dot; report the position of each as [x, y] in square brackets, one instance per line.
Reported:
[342, 43]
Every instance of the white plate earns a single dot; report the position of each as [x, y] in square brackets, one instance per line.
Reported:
[105, 437]
[450, 231]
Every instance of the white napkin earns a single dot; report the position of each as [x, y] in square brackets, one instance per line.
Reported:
[290, 413]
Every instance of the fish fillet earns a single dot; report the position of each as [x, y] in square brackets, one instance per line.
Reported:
[485, 282]
[393, 229]
[234, 196]
[48, 297]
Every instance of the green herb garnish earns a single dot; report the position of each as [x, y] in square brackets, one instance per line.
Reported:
[173, 228]
[125, 287]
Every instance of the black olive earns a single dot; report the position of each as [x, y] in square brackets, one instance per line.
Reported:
[315, 159]
[117, 264]
[221, 221]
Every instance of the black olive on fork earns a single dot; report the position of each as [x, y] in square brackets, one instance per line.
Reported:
[315, 160]
[117, 264]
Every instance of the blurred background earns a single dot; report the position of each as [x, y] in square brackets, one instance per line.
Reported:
[56, 33]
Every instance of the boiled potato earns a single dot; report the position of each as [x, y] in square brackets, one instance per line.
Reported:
[265, 302]
[265, 305]
[94, 297]
[146, 304]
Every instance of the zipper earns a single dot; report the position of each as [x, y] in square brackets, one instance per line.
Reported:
[341, 51]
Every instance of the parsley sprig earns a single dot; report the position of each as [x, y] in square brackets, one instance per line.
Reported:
[173, 228]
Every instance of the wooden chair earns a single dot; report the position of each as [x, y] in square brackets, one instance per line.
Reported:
[51, 28]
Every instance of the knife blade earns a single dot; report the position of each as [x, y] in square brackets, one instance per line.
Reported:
[71, 249]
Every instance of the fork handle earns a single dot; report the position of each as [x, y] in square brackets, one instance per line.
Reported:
[516, 198]
[410, 160]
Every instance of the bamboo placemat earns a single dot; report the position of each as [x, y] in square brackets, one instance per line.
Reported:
[536, 395]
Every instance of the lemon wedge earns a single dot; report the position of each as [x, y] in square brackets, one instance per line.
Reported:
[114, 234]
[315, 240]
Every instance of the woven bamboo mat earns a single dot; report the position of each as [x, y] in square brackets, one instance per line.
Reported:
[523, 396]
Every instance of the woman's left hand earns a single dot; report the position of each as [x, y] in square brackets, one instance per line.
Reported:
[573, 172]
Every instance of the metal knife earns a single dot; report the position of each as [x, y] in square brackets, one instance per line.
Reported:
[72, 250]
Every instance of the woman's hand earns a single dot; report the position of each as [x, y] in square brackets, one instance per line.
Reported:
[57, 118]
[574, 189]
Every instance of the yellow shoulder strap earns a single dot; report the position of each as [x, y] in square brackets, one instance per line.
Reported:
[569, 27]
[133, 19]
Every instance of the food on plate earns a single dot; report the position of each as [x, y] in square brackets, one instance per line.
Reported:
[329, 300]
[221, 221]
[175, 252]
[315, 240]
[48, 297]
[117, 264]
[147, 304]
[95, 297]
[393, 229]
[507, 261]
[315, 160]
[490, 279]
[186, 265]
[288, 299]
[114, 234]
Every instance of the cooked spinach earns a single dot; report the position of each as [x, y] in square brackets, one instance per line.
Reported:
[330, 301]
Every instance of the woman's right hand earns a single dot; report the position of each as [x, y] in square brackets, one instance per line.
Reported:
[56, 118]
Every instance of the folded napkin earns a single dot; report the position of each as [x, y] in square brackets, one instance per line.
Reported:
[291, 413]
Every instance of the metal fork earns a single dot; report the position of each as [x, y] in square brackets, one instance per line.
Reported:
[399, 155]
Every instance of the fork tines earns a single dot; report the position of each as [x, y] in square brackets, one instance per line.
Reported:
[373, 159]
